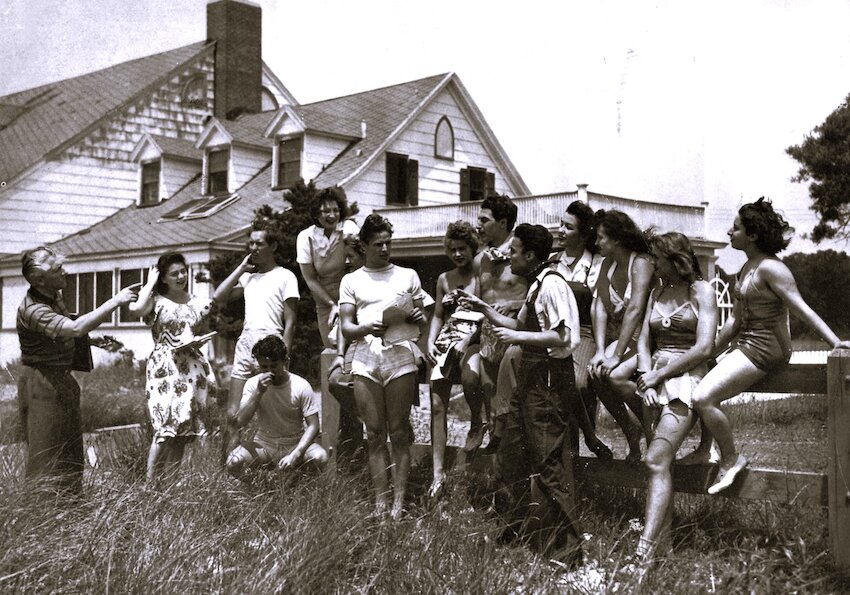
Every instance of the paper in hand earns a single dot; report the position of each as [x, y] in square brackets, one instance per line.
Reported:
[395, 318]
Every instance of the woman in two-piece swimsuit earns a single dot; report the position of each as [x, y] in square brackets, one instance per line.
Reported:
[676, 340]
[621, 295]
[756, 332]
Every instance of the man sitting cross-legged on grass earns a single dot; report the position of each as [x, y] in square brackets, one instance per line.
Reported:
[283, 403]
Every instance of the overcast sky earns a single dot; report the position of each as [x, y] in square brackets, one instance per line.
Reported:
[672, 101]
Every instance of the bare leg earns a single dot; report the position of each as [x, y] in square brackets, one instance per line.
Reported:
[473, 392]
[398, 424]
[702, 453]
[154, 456]
[440, 394]
[674, 423]
[370, 403]
[732, 375]
[620, 382]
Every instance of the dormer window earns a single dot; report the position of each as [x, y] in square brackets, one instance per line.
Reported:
[289, 161]
[150, 183]
[218, 169]
[444, 139]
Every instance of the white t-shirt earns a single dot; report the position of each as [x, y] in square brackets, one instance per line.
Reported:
[265, 294]
[322, 244]
[373, 290]
[555, 305]
[282, 409]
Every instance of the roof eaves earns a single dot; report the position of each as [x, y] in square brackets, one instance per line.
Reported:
[475, 115]
[398, 130]
[53, 153]
[289, 96]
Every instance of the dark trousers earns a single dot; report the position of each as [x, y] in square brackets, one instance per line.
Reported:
[534, 468]
[49, 404]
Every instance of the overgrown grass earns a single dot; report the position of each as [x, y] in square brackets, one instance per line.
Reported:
[210, 533]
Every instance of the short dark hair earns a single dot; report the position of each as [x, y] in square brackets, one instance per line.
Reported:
[273, 233]
[773, 233]
[502, 207]
[463, 231]
[623, 230]
[162, 265]
[33, 262]
[330, 194]
[535, 238]
[586, 223]
[270, 347]
[676, 248]
[373, 225]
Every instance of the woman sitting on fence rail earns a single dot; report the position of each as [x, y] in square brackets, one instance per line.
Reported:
[622, 292]
[675, 342]
[757, 329]
[177, 372]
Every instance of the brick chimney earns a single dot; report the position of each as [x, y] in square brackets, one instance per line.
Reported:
[236, 28]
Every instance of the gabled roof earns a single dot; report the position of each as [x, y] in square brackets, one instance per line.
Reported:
[387, 112]
[140, 229]
[167, 146]
[44, 119]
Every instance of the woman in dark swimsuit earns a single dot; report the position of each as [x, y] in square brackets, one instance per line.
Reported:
[757, 329]
[621, 295]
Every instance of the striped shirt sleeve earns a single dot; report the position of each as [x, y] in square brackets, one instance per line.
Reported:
[41, 318]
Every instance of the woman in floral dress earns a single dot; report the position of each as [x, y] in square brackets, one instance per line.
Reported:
[177, 372]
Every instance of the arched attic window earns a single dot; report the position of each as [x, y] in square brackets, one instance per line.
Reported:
[444, 139]
[269, 100]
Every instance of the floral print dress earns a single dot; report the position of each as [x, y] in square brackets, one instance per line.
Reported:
[177, 382]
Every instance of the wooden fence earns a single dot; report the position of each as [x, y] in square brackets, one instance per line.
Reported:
[803, 488]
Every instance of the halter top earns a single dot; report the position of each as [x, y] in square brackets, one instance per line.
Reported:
[617, 304]
[675, 328]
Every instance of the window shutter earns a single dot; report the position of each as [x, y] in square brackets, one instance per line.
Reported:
[464, 185]
[412, 182]
[491, 184]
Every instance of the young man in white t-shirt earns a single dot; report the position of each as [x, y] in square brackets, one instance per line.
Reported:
[271, 297]
[287, 411]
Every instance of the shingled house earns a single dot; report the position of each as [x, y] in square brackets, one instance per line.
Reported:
[177, 150]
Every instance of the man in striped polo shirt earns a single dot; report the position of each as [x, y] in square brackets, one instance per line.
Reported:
[48, 396]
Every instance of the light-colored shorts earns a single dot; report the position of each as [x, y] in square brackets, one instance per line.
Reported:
[244, 363]
[271, 452]
[382, 364]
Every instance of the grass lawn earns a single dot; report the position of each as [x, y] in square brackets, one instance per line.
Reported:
[210, 533]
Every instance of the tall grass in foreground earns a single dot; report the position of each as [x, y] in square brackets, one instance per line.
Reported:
[209, 533]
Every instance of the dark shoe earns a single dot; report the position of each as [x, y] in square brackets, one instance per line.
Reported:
[475, 437]
[492, 446]
[598, 448]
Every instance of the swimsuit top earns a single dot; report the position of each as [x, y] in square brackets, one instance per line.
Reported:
[676, 327]
[761, 309]
[616, 304]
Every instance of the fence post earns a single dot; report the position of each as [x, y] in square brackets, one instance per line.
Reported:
[838, 390]
[329, 422]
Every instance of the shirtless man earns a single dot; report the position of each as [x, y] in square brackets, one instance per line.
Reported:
[506, 292]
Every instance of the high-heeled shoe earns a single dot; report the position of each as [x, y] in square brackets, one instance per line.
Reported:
[600, 450]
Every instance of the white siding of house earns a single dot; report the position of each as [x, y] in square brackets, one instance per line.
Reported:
[176, 173]
[94, 178]
[439, 179]
[245, 163]
[319, 151]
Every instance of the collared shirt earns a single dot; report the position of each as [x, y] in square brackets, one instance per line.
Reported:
[40, 320]
[555, 305]
[584, 270]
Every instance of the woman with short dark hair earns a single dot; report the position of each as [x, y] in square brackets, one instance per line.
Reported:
[756, 333]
